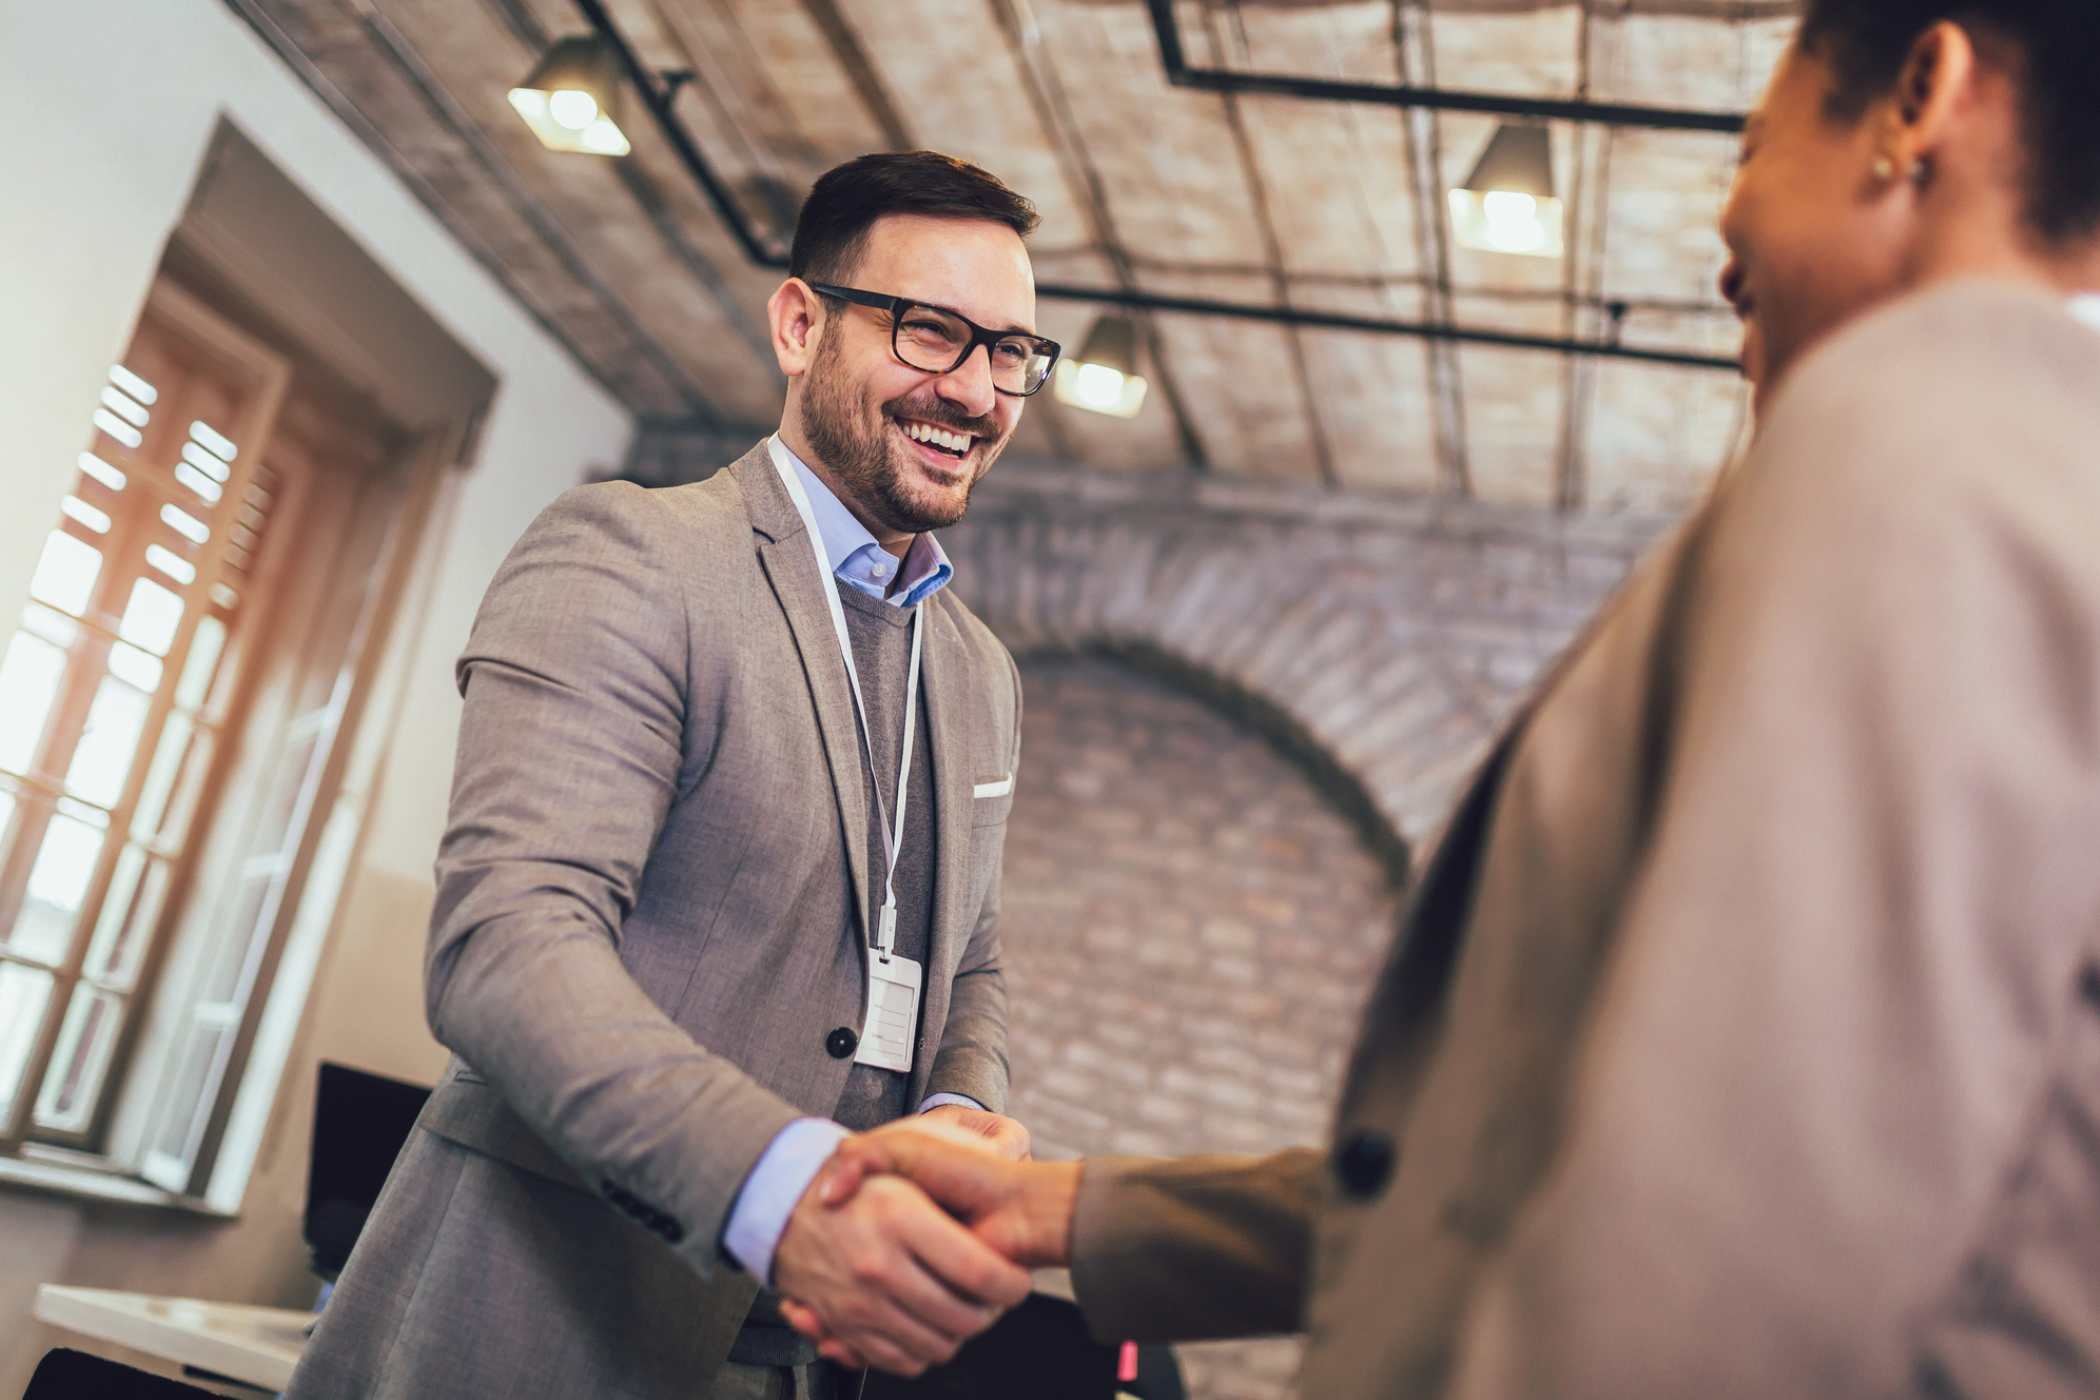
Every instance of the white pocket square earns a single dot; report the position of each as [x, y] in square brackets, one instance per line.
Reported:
[1000, 788]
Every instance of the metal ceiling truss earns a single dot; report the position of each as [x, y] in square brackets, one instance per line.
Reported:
[1230, 80]
[657, 95]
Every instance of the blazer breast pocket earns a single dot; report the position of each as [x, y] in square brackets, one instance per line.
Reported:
[991, 800]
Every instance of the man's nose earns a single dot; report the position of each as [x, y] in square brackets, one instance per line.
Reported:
[969, 385]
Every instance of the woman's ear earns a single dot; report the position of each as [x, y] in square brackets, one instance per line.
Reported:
[1935, 75]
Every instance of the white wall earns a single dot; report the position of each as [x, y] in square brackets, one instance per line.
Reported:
[124, 95]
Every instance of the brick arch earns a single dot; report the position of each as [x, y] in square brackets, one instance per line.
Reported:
[1256, 622]
[1262, 716]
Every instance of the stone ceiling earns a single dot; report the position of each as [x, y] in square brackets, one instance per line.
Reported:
[1250, 198]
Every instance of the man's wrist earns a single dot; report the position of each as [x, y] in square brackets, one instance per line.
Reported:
[934, 1101]
[774, 1188]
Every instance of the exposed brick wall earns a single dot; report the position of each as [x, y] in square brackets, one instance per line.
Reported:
[1249, 708]
[1191, 922]
[1191, 927]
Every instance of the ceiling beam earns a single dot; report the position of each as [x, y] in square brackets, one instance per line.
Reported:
[1382, 325]
[1425, 166]
[1175, 61]
[1588, 213]
[1279, 287]
[846, 48]
[657, 99]
[273, 36]
[649, 199]
[1054, 110]
[440, 103]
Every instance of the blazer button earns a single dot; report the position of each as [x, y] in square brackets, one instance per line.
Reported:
[1363, 1163]
[842, 1043]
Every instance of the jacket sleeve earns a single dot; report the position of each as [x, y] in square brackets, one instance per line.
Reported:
[1192, 1248]
[570, 752]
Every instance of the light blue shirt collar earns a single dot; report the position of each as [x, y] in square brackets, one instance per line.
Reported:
[857, 558]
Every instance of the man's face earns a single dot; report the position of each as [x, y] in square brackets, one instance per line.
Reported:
[1810, 242]
[860, 399]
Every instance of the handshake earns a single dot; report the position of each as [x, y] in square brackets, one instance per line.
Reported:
[917, 1236]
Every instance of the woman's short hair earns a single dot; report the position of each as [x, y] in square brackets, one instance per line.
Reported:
[2050, 47]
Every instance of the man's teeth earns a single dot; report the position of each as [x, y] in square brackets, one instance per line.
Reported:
[939, 437]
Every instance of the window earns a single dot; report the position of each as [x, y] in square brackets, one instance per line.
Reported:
[171, 705]
[114, 698]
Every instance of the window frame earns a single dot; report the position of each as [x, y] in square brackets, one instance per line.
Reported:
[266, 376]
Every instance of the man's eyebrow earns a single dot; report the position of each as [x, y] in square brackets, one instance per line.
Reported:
[1006, 330]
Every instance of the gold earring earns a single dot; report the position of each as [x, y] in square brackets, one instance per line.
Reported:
[1884, 169]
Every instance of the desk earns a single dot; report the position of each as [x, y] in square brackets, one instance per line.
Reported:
[241, 1341]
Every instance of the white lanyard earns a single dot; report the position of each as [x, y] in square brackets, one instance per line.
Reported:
[892, 831]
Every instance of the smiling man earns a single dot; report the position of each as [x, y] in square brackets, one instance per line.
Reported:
[721, 879]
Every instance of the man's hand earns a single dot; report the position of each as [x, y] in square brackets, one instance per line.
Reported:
[1005, 1136]
[898, 1283]
[1023, 1210]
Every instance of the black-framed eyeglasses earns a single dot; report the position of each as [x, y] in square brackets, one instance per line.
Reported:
[936, 340]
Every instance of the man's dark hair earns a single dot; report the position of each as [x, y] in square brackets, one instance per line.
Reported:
[2051, 49]
[847, 200]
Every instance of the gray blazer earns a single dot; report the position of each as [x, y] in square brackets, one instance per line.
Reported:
[648, 932]
[1743, 1038]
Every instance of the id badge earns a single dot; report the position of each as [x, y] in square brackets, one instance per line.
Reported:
[891, 1026]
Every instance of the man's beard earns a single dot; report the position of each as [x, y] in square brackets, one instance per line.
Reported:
[864, 464]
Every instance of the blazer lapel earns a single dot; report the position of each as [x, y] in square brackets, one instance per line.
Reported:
[792, 570]
[945, 679]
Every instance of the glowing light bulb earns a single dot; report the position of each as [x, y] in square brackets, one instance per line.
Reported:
[1097, 386]
[1513, 221]
[573, 108]
[602, 137]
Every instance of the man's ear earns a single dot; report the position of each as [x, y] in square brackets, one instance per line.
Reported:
[796, 315]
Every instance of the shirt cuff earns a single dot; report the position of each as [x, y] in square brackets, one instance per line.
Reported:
[760, 1216]
[934, 1101]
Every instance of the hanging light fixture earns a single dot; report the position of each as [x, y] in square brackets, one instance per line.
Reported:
[1103, 377]
[571, 97]
[1509, 205]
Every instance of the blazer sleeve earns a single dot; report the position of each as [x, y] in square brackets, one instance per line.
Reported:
[1191, 1248]
[972, 1060]
[570, 752]
[1832, 1099]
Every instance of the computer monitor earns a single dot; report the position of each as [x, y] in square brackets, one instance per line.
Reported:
[360, 1122]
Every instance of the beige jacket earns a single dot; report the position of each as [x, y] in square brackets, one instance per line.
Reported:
[1744, 1036]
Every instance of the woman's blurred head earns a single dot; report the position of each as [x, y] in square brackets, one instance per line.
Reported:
[1904, 141]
